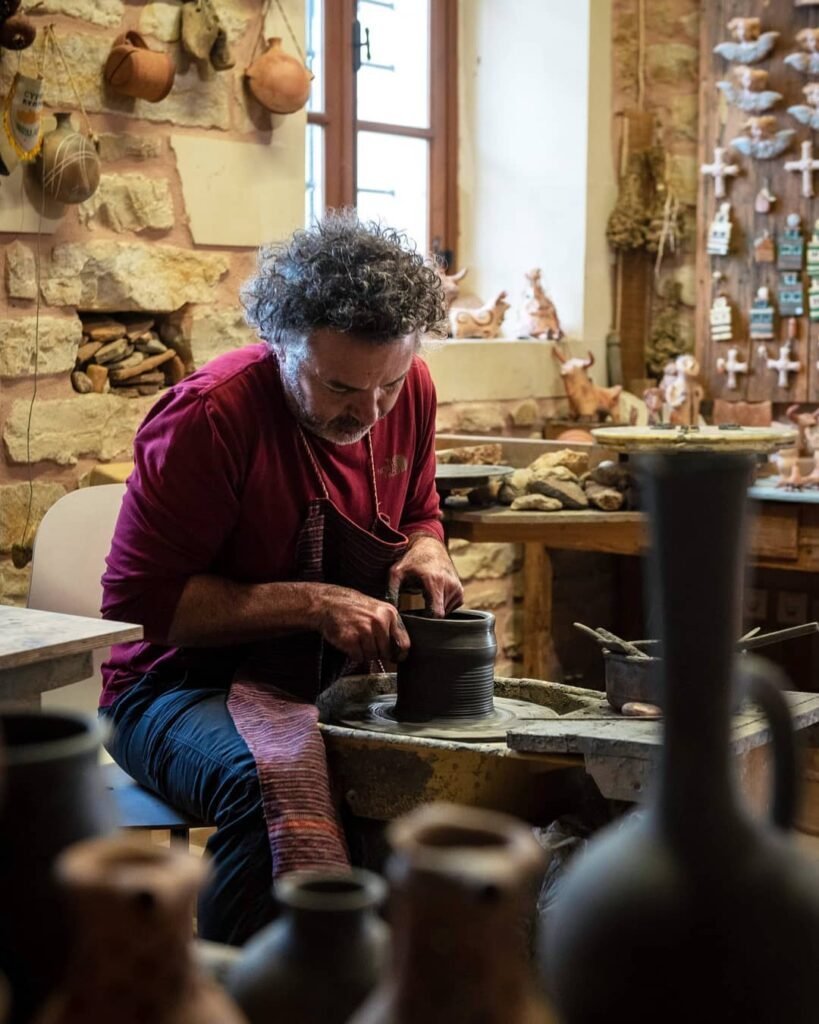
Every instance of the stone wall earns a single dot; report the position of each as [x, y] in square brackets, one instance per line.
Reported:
[671, 68]
[157, 236]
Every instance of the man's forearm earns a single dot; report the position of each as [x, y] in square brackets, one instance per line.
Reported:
[214, 611]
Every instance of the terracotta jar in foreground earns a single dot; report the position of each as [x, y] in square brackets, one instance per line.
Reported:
[463, 885]
[317, 962]
[131, 905]
[279, 82]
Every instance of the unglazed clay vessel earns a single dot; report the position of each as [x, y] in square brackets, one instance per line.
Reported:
[133, 69]
[692, 910]
[317, 962]
[279, 82]
[450, 669]
[463, 883]
[131, 906]
[68, 167]
[53, 797]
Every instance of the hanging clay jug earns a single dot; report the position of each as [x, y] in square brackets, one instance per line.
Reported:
[463, 884]
[450, 669]
[131, 906]
[17, 32]
[53, 796]
[132, 69]
[68, 168]
[279, 82]
[692, 910]
[317, 962]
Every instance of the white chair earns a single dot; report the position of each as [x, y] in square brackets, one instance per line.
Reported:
[68, 561]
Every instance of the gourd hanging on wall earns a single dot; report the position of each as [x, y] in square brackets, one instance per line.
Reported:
[280, 82]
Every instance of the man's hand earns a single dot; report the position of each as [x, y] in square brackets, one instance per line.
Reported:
[427, 563]
[363, 628]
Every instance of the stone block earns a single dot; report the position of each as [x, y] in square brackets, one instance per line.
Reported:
[106, 13]
[129, 202]
[485, 561]
[163, 20]
[14, 584]
[21, 274]
[488, 594]
[123, 276]
[473, 418]
[58, 342]
[14, 499]
[62, 430]
[536, 503]
[113, 147]
[527, 414]
[216, 331]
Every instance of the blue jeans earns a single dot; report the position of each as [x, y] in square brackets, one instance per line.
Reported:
[181, 742]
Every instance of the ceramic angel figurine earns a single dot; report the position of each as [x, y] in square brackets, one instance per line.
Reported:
[806, 60]
[749, 43]
[761, 139]
[748, 90]
[540, 318]
[808, 112]
[484, 322]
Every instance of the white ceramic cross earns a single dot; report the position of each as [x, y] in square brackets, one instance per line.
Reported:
[806, 166]
[732, 366]
[784, 364]
[718, 171]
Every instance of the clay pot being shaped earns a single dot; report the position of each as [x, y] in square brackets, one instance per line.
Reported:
[131, 907]
[450, 669]
[317, 962]
[693, 910]
[54, 796]
[279, 82]
[68, 168]
[134, 70]
[463, 884]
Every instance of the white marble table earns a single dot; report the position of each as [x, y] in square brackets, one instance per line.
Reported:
[42, 651]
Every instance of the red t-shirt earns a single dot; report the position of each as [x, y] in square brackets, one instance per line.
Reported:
[221, 484]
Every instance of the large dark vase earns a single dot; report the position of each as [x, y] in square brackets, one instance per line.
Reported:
[463, 884]
[317, 962]
[54, 796]
[693, 911]
[450, 669]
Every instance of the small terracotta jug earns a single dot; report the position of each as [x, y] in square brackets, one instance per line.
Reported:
[463, 886]
[279, 82]
[319, 961]
[68, 167]
[131, 956]
[134, 70]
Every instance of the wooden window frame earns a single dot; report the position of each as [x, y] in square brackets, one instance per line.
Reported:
[341, 125]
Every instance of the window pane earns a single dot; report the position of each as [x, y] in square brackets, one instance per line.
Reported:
[393, 86]
[314, 50]
[314, 174]
[393, 183]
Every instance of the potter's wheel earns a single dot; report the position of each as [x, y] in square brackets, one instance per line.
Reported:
[377, 715]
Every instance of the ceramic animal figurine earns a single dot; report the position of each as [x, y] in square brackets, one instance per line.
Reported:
[133, 69]
[805, 165]
[484, 322]
[540, 316]
[451, 284]
[719, 170]
[585, 398]
[749, 43]
[748, 90]
[761, 140]
[279, 82]
[808, 112]
[806, 60]
[804, 421]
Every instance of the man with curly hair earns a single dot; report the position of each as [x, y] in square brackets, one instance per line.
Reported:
[281, 496]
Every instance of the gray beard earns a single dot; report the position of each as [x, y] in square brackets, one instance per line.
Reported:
[297, 404]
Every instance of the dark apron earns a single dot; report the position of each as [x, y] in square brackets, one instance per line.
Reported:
[272, 695]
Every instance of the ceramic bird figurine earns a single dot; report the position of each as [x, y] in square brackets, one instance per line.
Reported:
[808, 113]
[748, 91]
[761, 140]
[747, 46]
[806, 60]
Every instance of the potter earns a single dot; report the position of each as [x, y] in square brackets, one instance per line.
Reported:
[281, 497]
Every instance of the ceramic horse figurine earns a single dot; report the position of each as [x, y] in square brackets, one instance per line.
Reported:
[540, 316]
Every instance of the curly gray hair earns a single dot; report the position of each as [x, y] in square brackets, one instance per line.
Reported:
[352, 277]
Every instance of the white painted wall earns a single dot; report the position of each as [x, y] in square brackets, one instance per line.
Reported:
[536, 175]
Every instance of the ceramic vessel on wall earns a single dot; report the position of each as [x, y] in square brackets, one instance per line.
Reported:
[68, 168]
[450, 669]
[131, 906]
[279, 82]
[318, 962]
[133, 69]
[693, 910]
[463, 884]
[54, 796]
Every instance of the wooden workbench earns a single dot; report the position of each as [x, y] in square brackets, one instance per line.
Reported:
[785, 536]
